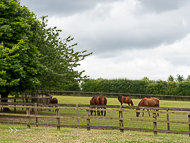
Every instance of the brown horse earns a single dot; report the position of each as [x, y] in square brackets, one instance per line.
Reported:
[148, 102]
[53, 101]
[123, 99]
[96, 100]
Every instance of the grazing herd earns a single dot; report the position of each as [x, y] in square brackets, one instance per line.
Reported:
[96, 100]
[147, 102]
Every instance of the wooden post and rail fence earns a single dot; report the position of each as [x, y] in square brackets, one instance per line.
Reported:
[120, 109]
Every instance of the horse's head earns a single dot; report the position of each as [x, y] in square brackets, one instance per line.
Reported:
[137, 113]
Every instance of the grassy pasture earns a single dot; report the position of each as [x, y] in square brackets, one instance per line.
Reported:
[67, 135]
[108, 136]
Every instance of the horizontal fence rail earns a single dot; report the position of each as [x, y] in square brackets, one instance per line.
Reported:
[58, 92]
[36, 107]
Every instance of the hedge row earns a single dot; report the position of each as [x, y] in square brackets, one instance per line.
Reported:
[137, 86]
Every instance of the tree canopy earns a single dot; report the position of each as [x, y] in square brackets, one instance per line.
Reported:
[60, 59]
[33, 56]
[19, 56]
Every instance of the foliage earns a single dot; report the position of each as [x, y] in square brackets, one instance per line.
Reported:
[19, 56]
[179, 78]
[114, 85]
[157, 87]
[33, 56]
[172, 88]
[184, 88]
[170, 78]
[60, 59]
[90, 85]
[144, 86]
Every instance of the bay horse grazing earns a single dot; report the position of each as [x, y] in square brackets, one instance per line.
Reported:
[96, 100]
[123, 99]
[148, 102]
[53, 101]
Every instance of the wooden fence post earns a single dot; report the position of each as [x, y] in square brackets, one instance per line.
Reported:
[154, 124]
[36, 113]
[28, 116]
[77, 114]
[58, 119]
[121, 120]
[189, 123]
[168, 124]
[88, 119]
[15, 105]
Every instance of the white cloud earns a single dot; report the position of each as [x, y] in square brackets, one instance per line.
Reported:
[154, 63]
[123, 25]
[130, 38]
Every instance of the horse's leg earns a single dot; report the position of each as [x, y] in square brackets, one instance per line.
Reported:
[157, 114]
[101, 111]
[104, 111]
[98, 112]
[143, 113]
[148, 112]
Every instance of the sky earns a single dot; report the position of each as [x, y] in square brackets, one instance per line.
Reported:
[129, 39]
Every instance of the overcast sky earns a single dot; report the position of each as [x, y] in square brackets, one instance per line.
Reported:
[129, 38]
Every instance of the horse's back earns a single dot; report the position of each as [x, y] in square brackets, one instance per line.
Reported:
[96, 101]
[102, 100]
[127, 99]
[53, 100]
[157, 101]
[152, 102]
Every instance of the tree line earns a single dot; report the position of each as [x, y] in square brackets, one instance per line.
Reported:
[173, 86]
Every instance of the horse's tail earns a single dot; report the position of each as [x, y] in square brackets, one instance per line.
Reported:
[119, 97]
[105, 101]
[93, 98]
[132, 103]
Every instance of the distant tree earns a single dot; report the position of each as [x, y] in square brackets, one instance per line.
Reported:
[179, 78]
[188, 77]
[145, 79]
[170, 78]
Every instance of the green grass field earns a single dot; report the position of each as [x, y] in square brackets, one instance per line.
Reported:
[81, 135]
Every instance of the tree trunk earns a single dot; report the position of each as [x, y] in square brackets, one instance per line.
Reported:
[5, 95]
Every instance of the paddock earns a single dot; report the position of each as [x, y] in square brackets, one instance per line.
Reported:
[171, 120]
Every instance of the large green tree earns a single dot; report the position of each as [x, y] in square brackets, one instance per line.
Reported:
[19, 56]
[33, 56]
